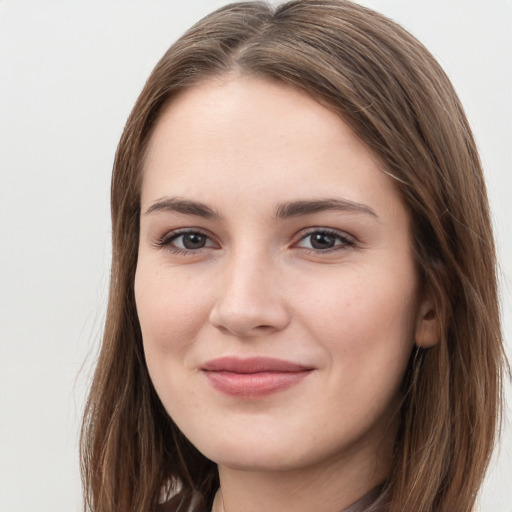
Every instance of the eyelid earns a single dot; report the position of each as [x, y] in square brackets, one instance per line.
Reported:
[347, 240]
[165, 241]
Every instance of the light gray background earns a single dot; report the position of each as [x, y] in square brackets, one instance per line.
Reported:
[70, 71]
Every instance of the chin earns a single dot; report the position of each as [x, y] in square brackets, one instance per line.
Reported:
[256, 460]
[259, 453]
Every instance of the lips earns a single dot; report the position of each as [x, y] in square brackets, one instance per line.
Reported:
[253, 377]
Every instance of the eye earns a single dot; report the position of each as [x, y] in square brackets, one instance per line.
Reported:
[324, 240]
[185, 241]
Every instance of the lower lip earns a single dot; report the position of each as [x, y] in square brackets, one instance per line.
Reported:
[254, 385]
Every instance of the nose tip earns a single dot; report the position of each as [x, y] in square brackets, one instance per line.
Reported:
[249, 305]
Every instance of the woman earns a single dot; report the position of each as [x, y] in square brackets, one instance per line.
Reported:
[303, 309]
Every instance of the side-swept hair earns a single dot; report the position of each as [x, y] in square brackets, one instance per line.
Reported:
[390, 90]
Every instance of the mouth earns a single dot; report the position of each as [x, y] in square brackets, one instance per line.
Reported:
[253, 377]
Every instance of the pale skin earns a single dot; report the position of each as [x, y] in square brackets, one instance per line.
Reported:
[269, 229]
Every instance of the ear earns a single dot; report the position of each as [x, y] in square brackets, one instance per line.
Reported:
[427, 325]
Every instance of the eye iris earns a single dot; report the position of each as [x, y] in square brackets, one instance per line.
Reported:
[322, 241]
[194, 241]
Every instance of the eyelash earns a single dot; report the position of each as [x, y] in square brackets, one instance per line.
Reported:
[345, 241]
[166, 241]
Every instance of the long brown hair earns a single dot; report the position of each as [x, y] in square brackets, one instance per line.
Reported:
[397, 99]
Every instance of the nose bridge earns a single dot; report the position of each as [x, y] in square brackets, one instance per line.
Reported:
[247, 281]
[248, 300]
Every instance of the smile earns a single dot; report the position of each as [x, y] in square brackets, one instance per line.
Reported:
[254, 377]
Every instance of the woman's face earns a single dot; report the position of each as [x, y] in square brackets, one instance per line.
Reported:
[275, 287]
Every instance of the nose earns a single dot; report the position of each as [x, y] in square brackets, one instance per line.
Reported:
[249, 301]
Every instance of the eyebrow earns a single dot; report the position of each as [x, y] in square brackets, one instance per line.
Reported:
[283, 211]
[298, 208]
[184, 206]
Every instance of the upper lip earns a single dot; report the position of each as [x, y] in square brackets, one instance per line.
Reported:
[253, 365]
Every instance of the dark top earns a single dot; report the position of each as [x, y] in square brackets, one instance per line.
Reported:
[370, 502]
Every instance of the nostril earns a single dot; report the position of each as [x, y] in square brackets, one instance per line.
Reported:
[264, 328]
[248, 323]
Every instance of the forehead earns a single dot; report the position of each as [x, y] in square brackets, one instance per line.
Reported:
[258, 140]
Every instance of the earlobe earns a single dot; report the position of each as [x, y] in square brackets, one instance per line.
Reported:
[427, 326]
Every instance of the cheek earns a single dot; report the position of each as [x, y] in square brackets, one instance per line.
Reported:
[171, 311]
[364, 318]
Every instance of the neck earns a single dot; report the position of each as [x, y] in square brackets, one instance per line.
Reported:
[326, 487]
